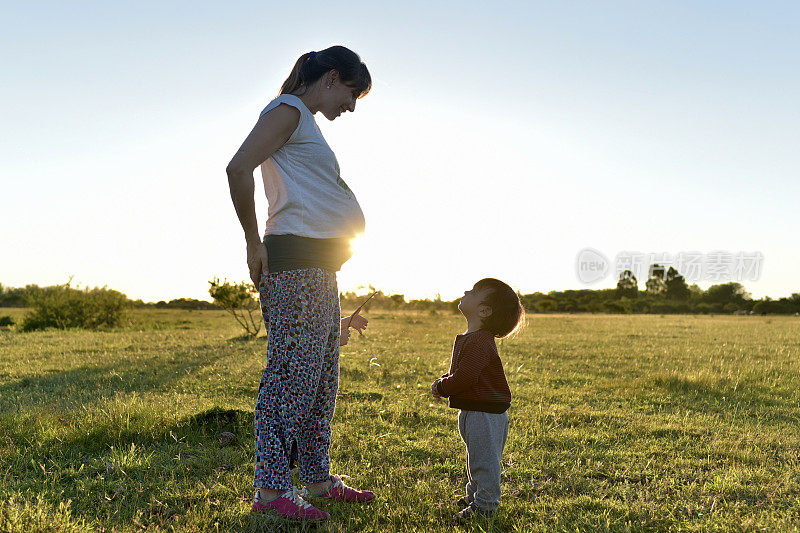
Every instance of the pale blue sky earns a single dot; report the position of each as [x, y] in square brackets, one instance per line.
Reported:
[499, 139]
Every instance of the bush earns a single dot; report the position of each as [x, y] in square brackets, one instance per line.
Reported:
[62, 307]
[547, 306]
[615, 307]
[704, 308]
[662, 308]
[6, 320]
[240, 300]
[730, 307]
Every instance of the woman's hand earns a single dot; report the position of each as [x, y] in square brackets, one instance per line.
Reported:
[257, 261]
[355, 321]
[344, 335]
[358, 322]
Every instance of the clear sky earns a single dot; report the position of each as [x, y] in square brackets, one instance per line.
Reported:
[499, 139]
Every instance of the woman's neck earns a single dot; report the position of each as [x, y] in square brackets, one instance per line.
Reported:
[310, 99]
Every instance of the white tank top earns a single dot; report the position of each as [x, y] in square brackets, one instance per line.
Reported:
[306, 194]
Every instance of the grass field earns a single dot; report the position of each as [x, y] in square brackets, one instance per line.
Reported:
[618, 423]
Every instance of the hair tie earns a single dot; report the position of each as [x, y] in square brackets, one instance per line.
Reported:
[311, 55]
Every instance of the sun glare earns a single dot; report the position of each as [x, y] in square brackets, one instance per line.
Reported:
[357, 244]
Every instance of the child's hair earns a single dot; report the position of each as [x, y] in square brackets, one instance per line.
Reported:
[311, 66]
[508, 314]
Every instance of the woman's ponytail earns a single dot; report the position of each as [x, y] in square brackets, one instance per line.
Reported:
[311, 66]
[296, 78]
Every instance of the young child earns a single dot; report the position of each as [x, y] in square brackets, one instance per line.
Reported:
[476, 384]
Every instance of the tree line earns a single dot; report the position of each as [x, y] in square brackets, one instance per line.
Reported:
[23, 296]
[665, 292]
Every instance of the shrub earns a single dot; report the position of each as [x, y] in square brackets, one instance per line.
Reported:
[547, 306]
[730, 307]
[6, 320]
[238, 299]
[662, 308]
[62, 306]
[615, 307]
[704, 308]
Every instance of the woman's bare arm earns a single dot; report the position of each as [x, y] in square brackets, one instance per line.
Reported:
[271, 132]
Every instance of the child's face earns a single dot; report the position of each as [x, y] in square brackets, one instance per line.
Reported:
[472, 306]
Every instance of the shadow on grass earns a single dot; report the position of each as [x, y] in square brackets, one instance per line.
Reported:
[246, 339]
[265, 523]
[360, 396]
[113, 475]
[73, 411]
[721, 396]
[90, 384]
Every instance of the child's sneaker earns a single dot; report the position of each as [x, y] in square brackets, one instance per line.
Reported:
[290, 505]
[342, 493]
[471, 511]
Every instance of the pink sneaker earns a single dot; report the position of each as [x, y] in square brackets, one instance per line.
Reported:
[342, 493]
[290, 505]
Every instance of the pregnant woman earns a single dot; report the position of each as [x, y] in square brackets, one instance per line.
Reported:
[312, 217]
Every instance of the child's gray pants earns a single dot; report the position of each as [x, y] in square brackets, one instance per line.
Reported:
[485, 435]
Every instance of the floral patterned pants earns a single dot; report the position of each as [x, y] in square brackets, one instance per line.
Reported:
[298, 389]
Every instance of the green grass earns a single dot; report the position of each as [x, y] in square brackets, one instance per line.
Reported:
[618, 423]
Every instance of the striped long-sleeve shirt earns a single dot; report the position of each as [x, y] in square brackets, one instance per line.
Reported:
[476, 381]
